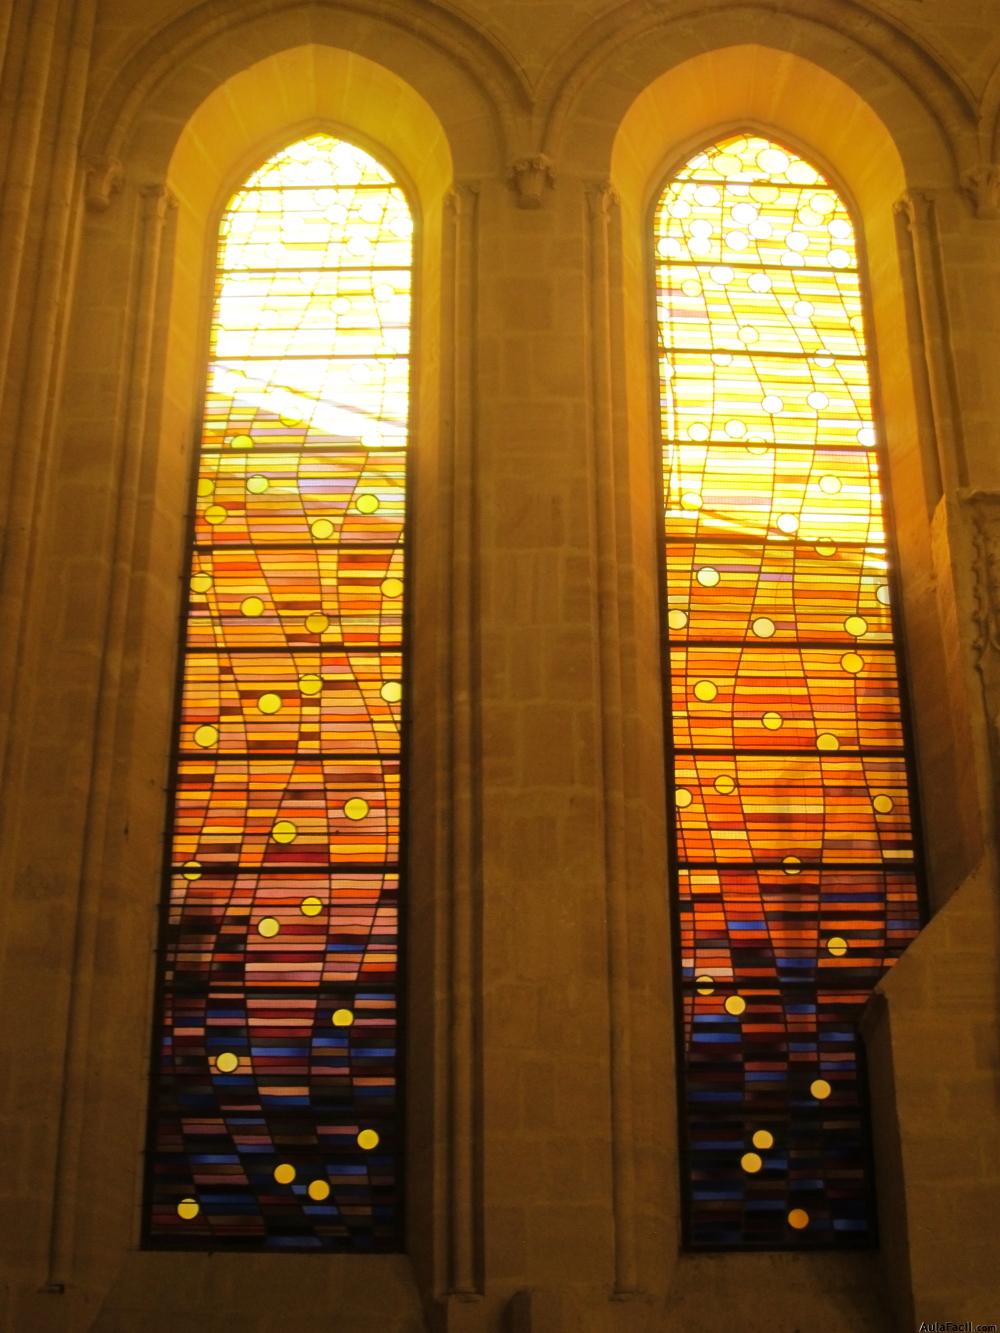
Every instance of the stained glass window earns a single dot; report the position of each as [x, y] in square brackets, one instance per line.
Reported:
[795, 875]
[274, 1117]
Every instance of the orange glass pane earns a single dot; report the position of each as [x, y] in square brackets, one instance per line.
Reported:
[274, 1118]
[796, 875]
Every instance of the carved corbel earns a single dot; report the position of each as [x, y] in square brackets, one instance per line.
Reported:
[529, 178]
[105, 178]
[982, 186]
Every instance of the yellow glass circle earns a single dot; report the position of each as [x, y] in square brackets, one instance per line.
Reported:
[319, 1190]
[798, 1218]
[205, 486]
[677, 620]
[856, 625]
[356, 808]
[791, 865]
[705, 691]
[392, 587]
[241, 442]
[317, 622]
[837, 946]
[728, 164]
[269, 703]
[690, 500]
[682, 798]
[342, 1018]
[366, 504]
[820, 1089]
[853, 663]
[284, 831]
[310, 906]
[226, 1062]
[827, 741]
[251, 606]
[773, 162]
[268, 927]
[883, 804]
[825, 547]
[763, 1138]
[201, 582]
[206, 736]
[764, 192]
[284, 1173]
[191, 870]
[724, 785]
[188, 1208]
[257, 484]
[321, 528]
[735, 1005]
[829, 485]
[707, 576]
[391, 691]
[367, 1139]
[311, 684]
[705, 985]
[215, 514]
[787, 523]
[772, 721]
[751, 1162]
[763, 627]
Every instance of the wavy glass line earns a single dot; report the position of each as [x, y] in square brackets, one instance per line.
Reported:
[796, 882]
[274, 1121]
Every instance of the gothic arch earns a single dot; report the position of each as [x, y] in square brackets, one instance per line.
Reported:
[767, 88]
[754, 86]
[147, 257]
[930, 115]
[468, 77]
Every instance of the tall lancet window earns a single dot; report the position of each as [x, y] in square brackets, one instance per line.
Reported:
[274, 1119]
[795, 878]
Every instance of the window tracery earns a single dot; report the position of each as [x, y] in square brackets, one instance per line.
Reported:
[796, 881]
[274, 1118]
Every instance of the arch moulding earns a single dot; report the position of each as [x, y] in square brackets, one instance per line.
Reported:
[929, 114]
[475, 87]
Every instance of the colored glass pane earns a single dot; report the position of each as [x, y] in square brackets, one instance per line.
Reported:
[274, 1117]
[796, 882]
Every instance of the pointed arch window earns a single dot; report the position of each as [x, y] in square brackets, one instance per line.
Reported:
[274, 1117]
[795, 876]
